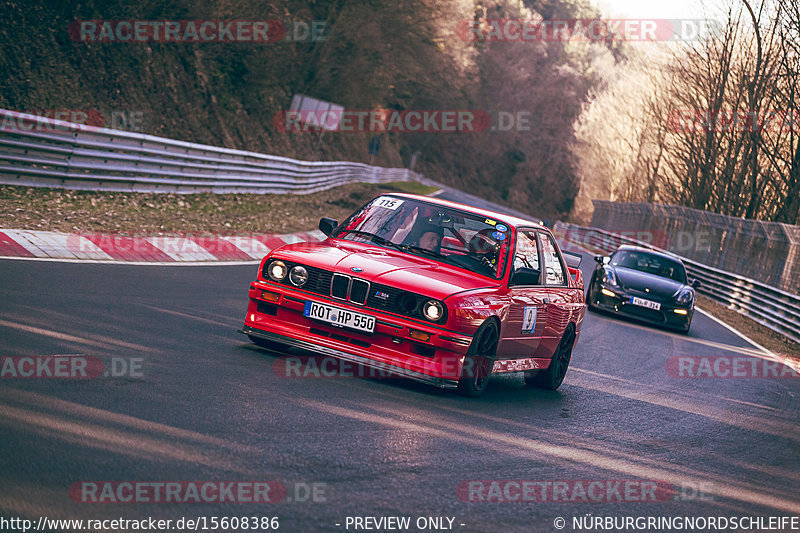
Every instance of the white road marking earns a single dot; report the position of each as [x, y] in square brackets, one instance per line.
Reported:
[737, 332]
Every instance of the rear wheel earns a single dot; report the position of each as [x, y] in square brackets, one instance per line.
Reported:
[553, 376]
[478, 363]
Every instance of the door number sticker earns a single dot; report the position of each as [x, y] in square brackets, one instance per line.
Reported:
[528, 319]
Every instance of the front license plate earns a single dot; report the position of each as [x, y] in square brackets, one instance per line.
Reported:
[339, 317]
[645, 303]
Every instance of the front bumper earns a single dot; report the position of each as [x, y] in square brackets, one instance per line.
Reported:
[389, 349]
[332, 352]
[621, 304]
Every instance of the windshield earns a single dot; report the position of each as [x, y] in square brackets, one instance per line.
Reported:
[650, 263]
[444, 234]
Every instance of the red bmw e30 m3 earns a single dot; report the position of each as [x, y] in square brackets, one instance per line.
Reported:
[428, 289]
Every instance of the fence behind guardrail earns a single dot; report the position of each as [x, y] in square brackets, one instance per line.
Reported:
[39, 151]
[771, 307]
[765, 251]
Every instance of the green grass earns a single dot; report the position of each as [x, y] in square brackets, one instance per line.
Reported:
[410, 187]
[39, 208]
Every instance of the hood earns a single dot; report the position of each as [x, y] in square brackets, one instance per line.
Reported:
[404, 271]
[663, 288]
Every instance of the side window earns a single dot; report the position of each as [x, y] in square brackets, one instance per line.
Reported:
[554, 271]
[527, 254]
[527, 270]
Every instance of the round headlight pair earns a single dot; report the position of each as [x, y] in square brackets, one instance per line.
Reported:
[277, 271]
[432, 310]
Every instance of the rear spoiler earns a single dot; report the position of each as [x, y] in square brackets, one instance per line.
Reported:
[573, 266]
[573, 260]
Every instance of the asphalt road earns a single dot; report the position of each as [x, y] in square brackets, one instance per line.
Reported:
[203, 404]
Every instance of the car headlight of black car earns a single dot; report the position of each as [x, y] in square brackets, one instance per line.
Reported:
[609, 276]
[277, 270]
[684, 296]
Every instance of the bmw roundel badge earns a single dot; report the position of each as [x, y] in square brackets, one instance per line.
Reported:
[356, 269]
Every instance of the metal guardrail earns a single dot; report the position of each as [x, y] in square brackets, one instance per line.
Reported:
[725, 242]
[38, 151]
[771, 307]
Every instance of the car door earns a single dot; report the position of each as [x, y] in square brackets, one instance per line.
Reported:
[528, 308]
[558, 293]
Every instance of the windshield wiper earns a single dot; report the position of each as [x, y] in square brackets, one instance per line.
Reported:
[426, 251]
[376, 238]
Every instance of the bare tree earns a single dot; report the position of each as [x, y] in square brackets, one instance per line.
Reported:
[720, 122]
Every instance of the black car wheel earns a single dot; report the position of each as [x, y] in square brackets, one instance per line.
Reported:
[591, 294]
[477, 368]
[553, 376]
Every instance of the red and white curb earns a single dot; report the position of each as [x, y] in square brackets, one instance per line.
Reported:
[96, 247]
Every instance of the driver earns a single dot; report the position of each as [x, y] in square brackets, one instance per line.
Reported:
[422, 231]
[431, 238]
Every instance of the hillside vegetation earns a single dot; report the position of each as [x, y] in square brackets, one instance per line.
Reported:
[375, 55]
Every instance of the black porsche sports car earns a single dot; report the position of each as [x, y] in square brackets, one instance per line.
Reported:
[645, 285]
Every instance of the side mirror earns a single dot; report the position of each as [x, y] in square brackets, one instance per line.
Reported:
[695, 283]
[526, 276]
[327, 225]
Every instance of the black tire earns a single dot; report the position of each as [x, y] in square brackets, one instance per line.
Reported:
[479, 361]
[553, 376]
[590, 295]
[269, 345]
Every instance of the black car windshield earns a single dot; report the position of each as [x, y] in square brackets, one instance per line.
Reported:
[651, 263]
[444, 234]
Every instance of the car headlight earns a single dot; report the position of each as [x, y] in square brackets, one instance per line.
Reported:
[298, 276]
[277, 271]
[609, 277]
[685, 296]
[432, 310]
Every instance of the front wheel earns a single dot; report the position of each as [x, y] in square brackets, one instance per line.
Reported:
[553, 376]
[479, 360]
